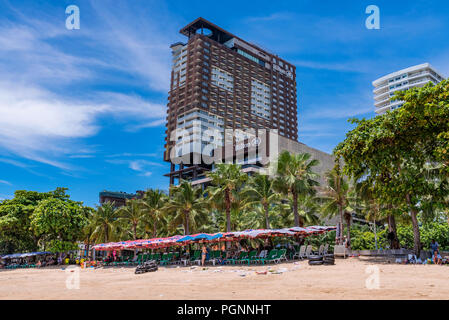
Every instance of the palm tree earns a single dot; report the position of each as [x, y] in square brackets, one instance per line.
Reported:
[87, 233]
[295, 177]
[336, 199]
[105, 222]
[132, 213]
[376, 212]
[226, 179]
[260, 190]
[307, 208]
[186, 207]
[153, 204]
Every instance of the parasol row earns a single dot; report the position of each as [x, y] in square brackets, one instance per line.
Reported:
[25, 255]
[157, 243]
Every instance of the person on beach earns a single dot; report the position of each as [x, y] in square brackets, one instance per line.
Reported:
[268, 245]
[434, 246]
[203, 255]
[437, 259]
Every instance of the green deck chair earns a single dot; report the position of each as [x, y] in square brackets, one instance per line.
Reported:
[251, 257]
[241, 256]
[270, 257]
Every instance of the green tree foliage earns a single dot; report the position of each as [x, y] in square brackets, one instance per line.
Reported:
[260, 191]
[106, 223]
[337, 199]
[363, 239]
[227, 181]
[132, 214]
[295, 176]
[429, 231]
[60, 222]
[18, 231]
[153, 203]
[400, 152]
[187, 208]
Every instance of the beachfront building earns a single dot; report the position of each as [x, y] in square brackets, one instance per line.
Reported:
[221, 83]
[118, 197]
[416, 76]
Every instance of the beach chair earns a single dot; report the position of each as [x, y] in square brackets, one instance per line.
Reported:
[195, 257]
[125, 261]
[256, 258]
[271, 256]
[281, 256]
[251, 256]
[308, 252]
[157, 257]
[240, 256]
[301, 253]
[320, 250]
[214, 256]
[340, 250]
[175, 259]
[166, 258]
[262, 255]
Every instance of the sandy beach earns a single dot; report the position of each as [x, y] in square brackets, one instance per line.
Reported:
[345, 280]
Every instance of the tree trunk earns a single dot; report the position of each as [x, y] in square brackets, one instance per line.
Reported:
[295, 209]
[106, 235]
[154, 228]
[341, 225]
[186, 227]
[416, 235]
[87, 247]
[394, 242]
[228, 210]
[348, 223]
[375, 235]
[135, 230]
[267, 221]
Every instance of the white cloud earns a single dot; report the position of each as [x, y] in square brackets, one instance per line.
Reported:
[140, 45]
[13, 162]
[141, 166]
[128, 154]
[35, 123]
[6, 182]
[41, 117]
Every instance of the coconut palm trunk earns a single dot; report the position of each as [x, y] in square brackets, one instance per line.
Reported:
[348, 224]
[186, 226]
[154, 229]
[267, 221]
[135, 230]
[375, 234]
[106, 233]
[228, 210]
[295, 208]
[340, 236]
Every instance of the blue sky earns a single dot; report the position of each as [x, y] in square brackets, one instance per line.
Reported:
[85, 109]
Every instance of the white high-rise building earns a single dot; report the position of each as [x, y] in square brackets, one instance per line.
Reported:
[416, 76]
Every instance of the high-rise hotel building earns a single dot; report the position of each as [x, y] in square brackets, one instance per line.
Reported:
[416, 76]
[218, 82]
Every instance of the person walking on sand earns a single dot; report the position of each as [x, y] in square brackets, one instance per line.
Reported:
[203, 255]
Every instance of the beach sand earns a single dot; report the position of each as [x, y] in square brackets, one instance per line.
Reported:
[345, 280]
